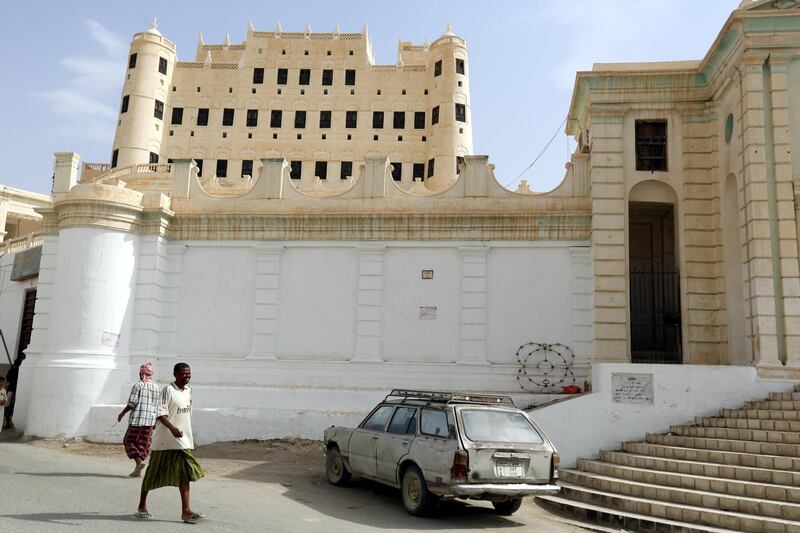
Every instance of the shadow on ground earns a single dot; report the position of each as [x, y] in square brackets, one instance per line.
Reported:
[74, 519]
[299, 466]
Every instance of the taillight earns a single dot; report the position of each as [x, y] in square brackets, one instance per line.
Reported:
[460, 465]
[555, 463]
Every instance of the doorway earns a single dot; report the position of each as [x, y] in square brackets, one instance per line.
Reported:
[654, 284]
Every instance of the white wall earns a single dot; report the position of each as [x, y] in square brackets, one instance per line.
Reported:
[12, 298]
[584, 425]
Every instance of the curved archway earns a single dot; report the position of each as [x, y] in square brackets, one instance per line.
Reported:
[654, 280]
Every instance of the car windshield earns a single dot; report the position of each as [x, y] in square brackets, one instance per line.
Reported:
[481, 425]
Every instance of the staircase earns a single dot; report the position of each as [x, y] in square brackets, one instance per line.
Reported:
[739, 471]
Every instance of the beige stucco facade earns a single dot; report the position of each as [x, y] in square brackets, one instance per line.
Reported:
[18, 216]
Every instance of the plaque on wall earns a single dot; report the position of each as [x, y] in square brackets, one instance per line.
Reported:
[26, 264]
[632, 388]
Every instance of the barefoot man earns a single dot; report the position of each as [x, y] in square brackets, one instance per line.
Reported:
[171, 461]
[143, 405]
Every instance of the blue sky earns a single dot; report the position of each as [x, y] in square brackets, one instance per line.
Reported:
[64, 63]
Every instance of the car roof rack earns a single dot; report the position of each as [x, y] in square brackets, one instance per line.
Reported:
[450, 397]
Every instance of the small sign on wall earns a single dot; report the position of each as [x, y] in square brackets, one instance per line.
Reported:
[632, 388]
[109, 339]
[427, 274]
[427, 312]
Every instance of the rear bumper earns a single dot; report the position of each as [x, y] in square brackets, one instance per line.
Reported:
[503, 489]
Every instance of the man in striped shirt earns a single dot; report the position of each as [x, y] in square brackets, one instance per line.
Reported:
[143, 406]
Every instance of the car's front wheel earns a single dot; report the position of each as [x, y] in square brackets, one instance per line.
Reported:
[507, 507]
[417, 499]
[335, 470]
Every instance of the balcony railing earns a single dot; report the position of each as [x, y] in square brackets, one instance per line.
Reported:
[20, 244]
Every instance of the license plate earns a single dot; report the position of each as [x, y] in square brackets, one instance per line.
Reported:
[510, 470]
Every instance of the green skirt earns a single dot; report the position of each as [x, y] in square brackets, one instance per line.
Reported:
[171, 468]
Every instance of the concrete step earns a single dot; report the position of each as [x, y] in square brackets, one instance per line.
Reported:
[682, 496]
[778, 437]
[695, 515]
[748, 423]
[761, 414]
[620, 520]
[755, 460]
[709, 469]
[784, 396]
[784, 405]
[715, 484]
[726, 445]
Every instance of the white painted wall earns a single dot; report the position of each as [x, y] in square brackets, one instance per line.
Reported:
[584, 425]
[12, 298]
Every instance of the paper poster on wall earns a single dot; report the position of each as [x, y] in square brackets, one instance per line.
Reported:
[109, 339]
[632, 388]
[427, 312]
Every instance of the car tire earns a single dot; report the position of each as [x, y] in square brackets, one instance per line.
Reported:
[335, 470]
[507, 507]
[417, 499]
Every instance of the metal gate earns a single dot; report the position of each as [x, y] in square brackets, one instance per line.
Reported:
[655, 314]
[26, 327]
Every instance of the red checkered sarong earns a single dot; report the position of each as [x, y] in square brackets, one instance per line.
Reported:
[137, 441]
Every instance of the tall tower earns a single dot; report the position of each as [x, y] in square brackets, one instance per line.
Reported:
[451, 136]
[148, 78]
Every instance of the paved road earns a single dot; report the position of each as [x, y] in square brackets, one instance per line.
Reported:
[49, 489]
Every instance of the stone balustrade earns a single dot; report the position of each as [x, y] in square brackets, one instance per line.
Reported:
[20, 244]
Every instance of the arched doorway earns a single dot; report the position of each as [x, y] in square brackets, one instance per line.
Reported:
[654, 279]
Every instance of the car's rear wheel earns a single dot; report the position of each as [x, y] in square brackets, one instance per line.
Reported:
[507, 507]
[417, 499]
[335, 470]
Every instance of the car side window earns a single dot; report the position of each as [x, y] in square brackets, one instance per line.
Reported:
[404, 421]
[379, 418]
[434, 423]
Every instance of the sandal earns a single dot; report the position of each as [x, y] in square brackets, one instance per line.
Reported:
[145, 515]
[194, 518]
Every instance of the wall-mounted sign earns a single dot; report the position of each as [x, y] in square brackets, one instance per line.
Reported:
[109, 339]
[427, 312]
[632, 388]
[26, 264]
[427, 274]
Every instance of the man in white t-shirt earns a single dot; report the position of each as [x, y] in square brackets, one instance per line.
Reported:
[171, 460]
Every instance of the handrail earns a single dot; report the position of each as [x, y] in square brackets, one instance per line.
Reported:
[20, 244]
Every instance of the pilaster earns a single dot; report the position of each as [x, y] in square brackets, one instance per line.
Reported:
[473, 304]
[149, 296]
[172, 287]
[370, 300]
[265, 317]
[582, 309]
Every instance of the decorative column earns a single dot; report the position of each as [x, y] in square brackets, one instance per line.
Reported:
[582, 309]
[172, 287]
[147, 308]
[370, 299]
[473, 304]
[265, 317]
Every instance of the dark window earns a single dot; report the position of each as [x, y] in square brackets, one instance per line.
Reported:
[247, 167]
[283, 76]
[199, 163]
[377, 119]
[346, 170]
[431, 163]
[397, 171]
[227, 116]
[351, 119]
[252, 118]
[124, 107]
[114, 158]
[459, 66]
[404, 421]
[419, 171]
[132, 61]
[419, 120]
[379, 418]
[399, 120]
[162, 65]
[296, 170]
[299, 119]
[327, 77]
[177, 115]
[158, 110]
[258, 75]
[305, 76]
[222, 168]
[321, 169]
[153, 158]
[459, 161]
[651, 145]
[461, 113]
[437, 68]
[434, 423]
[275, 118]
[435, 115]
[324, 119]
[349, 77]
[202, 116]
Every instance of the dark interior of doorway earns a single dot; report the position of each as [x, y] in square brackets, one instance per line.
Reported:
[654, 285]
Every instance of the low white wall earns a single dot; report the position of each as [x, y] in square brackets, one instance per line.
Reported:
[580, 427]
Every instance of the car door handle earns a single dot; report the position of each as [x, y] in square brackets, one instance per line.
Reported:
[374, 437]
[404, 442]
